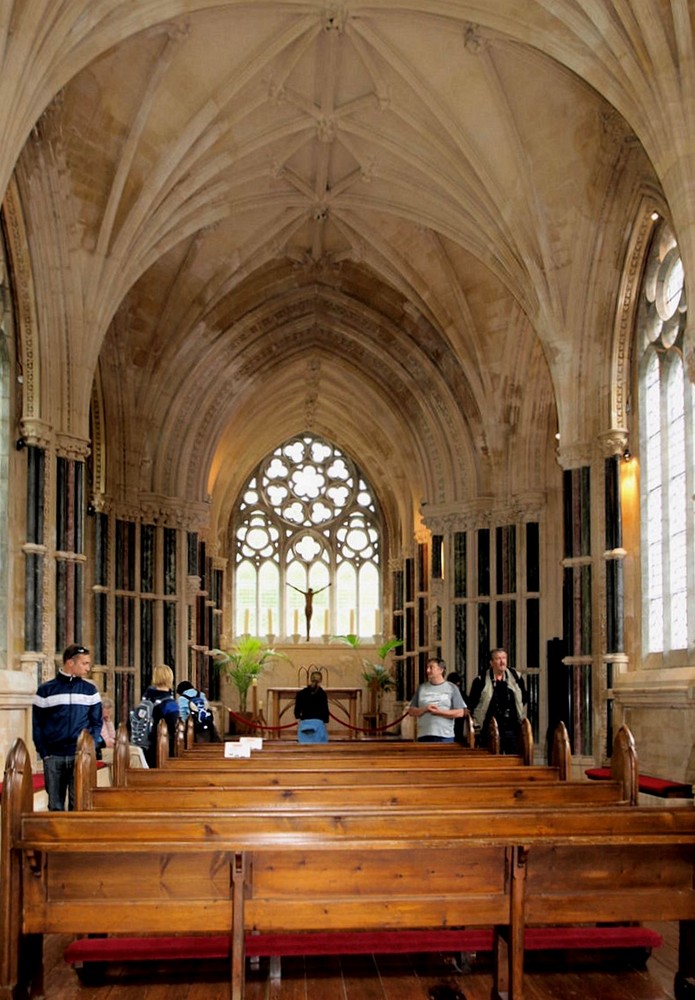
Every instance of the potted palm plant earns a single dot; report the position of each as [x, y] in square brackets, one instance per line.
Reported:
[244, 663]
[376, 675]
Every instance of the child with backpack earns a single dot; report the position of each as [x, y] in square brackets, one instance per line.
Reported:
[193, 702]
[158, 702]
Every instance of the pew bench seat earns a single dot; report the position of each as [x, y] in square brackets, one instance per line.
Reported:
[648, 784]
[87, 953]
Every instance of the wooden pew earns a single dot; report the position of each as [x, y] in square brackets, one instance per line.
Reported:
[502, 791]
[580, 795]
[325, 870]
[415, 754]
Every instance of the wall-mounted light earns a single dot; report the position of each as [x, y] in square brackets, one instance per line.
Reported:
[627, 455]
[20, 443]
[654, 216]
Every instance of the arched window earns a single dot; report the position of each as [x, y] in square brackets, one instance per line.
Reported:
[666, 451]
[307, 531]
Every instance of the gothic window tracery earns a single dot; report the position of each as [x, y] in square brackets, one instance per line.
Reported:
[666, 450]
[307, 520]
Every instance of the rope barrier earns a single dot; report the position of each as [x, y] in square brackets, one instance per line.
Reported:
[290, 725]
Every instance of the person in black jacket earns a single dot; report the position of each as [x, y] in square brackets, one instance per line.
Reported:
[311, 707]
[62, 708]
[499, 692]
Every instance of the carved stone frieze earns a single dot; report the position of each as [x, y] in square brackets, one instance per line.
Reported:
[484, 512]
[173, 512]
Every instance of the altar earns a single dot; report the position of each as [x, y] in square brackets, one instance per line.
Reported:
[347, 701]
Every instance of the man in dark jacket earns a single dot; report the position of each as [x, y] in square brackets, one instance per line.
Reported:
[500, 693]
[62, 708]
[311, 708]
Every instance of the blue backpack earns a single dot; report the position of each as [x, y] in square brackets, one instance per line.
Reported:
[200, 711]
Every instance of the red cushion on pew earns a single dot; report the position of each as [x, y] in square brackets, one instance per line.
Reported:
[135, 949]
[664, 788]
[648, 784]
[38, 782]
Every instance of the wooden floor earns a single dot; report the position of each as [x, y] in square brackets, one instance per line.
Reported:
[391, 977]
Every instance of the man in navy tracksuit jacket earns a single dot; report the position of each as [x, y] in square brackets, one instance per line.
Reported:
[62, 708]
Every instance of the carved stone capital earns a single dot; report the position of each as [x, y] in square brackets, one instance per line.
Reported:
[613, 442]
[70, 446]
[36, 432]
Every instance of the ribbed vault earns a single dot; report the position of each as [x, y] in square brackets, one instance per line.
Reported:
[378, 221]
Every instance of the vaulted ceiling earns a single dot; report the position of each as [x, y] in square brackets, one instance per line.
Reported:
[399, 225]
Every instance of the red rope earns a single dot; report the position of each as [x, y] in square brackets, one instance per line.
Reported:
[361, 729]
[290, 725]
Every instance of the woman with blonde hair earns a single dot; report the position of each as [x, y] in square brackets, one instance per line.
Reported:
[160, 693]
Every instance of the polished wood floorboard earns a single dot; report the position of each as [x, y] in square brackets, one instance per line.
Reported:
[374, 977]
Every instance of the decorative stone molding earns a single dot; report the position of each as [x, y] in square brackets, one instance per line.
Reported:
[101, 503]
[659, 694]
[482, 513]
[173, 512]
[36, 432]
[69, 446]
[622, 337]
[473, 40]
[27, 330]
[613, 442]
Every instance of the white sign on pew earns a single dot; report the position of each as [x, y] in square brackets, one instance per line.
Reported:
[255, 742]
[237, 750]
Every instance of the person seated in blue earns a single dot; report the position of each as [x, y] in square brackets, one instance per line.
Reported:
[311, 708]
[192, 701]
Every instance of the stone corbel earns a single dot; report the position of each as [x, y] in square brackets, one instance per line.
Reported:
[614, 442]
[71, 447]
[36, 432]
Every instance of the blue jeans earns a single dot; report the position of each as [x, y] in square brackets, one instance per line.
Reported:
[59, 778]
[435, 739]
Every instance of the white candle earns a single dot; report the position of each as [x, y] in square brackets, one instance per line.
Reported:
[247, 619]
[352, 621]
[377, 622]
[326, 622]
[296, 621]
[270, 621]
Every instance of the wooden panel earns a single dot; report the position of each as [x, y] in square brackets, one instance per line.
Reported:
[492, 795]
[143, 778]
[159, 876]
[337, 873]
[375, 913]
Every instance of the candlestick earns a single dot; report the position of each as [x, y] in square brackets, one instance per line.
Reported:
[377, 622]
[326, 622]
[270, 621]
[352, 621]
[247, 619]
[296, 621]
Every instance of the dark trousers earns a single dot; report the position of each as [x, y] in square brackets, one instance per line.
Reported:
[59, 778]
